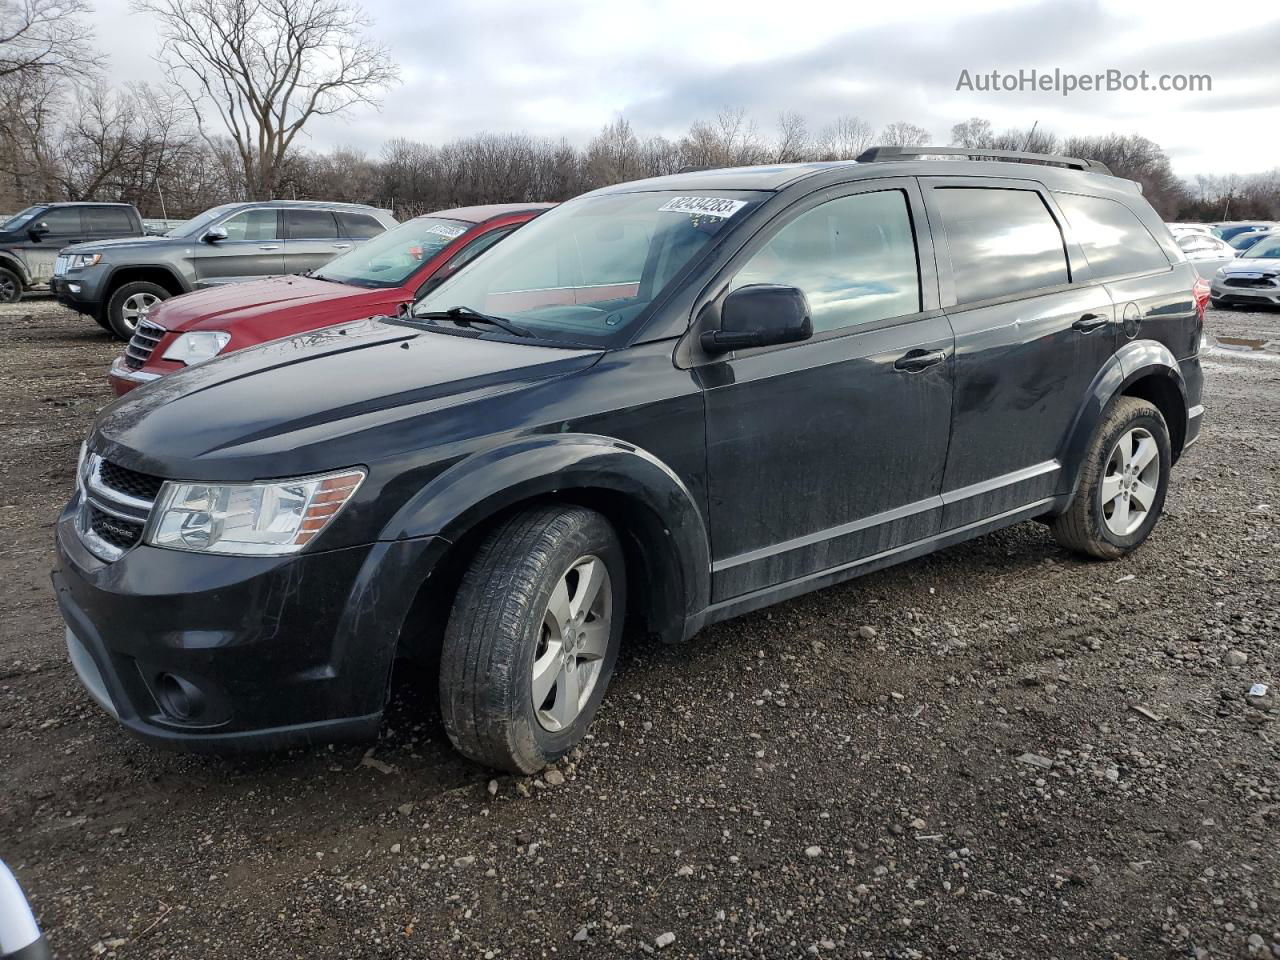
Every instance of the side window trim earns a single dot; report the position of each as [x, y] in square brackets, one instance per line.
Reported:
[706, 311]
[1078, 271]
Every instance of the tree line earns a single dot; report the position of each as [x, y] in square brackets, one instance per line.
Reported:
[244, 77]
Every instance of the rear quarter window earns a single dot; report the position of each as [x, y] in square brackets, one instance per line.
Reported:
[1003, 241]
[1113, 239]
[359, 226]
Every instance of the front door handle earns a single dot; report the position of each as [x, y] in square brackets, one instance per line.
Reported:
[918, 360]
[1090, 322]
[269, 246]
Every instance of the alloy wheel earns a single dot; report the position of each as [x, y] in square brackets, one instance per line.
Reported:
[136, 308]
[572, 644]
[1130, 482]
[8, 289]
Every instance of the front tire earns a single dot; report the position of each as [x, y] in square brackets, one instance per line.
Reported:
[533, 637]
[1123, 484]
[10, 286]
[130, 303]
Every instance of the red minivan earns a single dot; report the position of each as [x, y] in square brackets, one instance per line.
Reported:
[374, 278]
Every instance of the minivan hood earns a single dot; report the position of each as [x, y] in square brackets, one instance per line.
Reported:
[218, 307]
[301, 405]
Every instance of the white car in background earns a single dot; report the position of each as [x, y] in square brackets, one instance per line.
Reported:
[1253, 279]
[1180, 229]
[1205, 252]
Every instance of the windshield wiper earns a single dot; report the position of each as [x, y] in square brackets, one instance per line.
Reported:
[466, 316]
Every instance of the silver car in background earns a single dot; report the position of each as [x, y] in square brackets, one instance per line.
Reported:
[1251, 279]
[1205, 252]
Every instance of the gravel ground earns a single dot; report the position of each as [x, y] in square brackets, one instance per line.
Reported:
[997, 751]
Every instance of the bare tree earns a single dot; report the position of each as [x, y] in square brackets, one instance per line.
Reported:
[974, 133]
[46, 36]
[903, 134]
[793, 142]
[844, 138]
[267, 67]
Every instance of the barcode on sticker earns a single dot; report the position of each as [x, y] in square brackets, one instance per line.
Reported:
[703, 206]
[445, 230]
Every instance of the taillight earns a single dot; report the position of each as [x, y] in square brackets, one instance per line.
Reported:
[1200, 290]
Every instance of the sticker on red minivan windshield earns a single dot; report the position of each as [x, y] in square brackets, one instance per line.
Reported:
[445, 230]
[703, 206]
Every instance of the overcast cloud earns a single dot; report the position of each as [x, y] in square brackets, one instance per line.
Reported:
[566, 68]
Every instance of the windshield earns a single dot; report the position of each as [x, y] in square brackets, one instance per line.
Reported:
[1244, 240]
[390, 259]
[585, 272]
[1268, 249]
[191, 228]
[18, 219]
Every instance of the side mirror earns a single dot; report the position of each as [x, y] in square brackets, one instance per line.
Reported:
[214, 234]
[760, 315]
[38, 230]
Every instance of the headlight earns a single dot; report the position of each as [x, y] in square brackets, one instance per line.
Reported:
[81, 260]
[193, 348]
[82, 465]
[260, 519]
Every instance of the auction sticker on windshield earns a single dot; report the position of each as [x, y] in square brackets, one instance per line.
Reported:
[445, 230]
[703, 206]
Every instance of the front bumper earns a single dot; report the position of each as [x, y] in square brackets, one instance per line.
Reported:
[79, 291]
[1260, 291]
[124, 378]
[214, 653]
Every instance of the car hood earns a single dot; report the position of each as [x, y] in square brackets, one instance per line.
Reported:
[123, 243]
[218, 307]
[1270, 267]
[307, 404]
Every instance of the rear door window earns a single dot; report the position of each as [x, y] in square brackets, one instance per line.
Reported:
[1003, 242]
[1113, 239]
[310, 225]
[358, 226]
[108, 220]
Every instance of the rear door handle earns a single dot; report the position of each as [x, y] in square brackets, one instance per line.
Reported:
[918, 360]
[342, 246]
[269, 246]
[1090, 322]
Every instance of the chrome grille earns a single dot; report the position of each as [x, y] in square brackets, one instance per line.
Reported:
[143, 343]
[60, 266]
[114, 507]
[1263, 282]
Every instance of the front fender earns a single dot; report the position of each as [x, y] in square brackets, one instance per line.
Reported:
[1132, 362]
[642, 493]
[16, 264]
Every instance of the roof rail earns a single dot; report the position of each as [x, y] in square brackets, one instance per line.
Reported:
[881, 154]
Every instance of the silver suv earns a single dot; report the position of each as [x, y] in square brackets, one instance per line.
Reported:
[117, 281]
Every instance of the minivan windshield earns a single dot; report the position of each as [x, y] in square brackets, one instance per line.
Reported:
[390, 259]
[585, 271]
[197, 225]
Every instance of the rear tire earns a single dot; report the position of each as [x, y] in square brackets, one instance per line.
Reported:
[1122, 485]
[533, 637]
[10, 286]
[130, 303]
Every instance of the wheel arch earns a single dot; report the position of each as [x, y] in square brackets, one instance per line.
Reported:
[14, 265]
[655, 515]
[161, 276]
[1145, 369]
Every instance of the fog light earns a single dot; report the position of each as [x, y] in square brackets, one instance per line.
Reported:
[73, 287]
[178, 698]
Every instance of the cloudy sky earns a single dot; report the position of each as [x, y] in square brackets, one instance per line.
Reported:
[566, 68]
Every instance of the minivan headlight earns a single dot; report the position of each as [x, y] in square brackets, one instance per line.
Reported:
[275, 518]
[193, 348]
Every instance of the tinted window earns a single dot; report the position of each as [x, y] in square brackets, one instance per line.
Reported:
[310, 225]
[253, 225]
[854, 258]
[1002, 242]
[1113, 239]
[61, 221]
[108, 220]
[359, 225]
[1243, 241]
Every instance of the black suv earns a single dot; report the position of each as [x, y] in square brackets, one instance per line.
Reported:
[30, 240]
[118, 282]
[664, 403]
